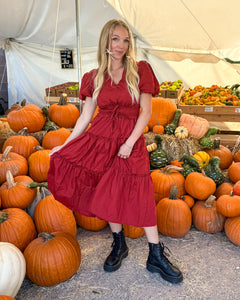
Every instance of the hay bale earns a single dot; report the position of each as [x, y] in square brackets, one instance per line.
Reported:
[175, 147]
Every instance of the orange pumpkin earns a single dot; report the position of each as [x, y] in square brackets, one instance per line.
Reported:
[146, 129]
[205, 216]
[55, 138]
[236, 156]
[90, 223]
[39, 163]
[52, 258]
[199, 186]
[236, 188]
[63, 114]
[15, 191]
[51, 215]
[133, 232]
[223, 189]
[16, 227]
[222, 152]
[234, 172]
[30, 116]
[158, 129]
[164, 179]
[188, 199]
[229, 205]
[14, 162]
[232, 229]
[22, 144]
[174, 216]
[197, 127]
[163, 111]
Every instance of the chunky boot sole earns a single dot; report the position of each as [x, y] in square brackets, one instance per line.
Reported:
[113, 268]
[165, 276]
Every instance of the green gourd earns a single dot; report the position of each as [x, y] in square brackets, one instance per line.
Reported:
[213, 171]
[206, 141]
[171, 127]
[190, 164]
[158, 158]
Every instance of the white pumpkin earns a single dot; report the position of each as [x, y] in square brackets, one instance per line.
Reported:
[181, 132]
[12, 270]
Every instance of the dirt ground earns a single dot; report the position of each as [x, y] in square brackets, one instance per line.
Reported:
[210, 264]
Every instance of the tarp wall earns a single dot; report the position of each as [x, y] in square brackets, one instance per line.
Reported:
[183, 39]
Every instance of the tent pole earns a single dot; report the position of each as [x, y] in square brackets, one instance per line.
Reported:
[79, 60]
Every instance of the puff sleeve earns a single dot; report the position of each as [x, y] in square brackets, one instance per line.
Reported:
[148, 82]
[87, 85]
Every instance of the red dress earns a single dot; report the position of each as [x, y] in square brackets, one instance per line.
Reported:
[87, 175]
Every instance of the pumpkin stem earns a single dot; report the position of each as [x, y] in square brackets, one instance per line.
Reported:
[39, 148]
[173, 193]
[46, 236]
[63, 99]
[10, 180]
[209, 202]
[6, 153]
[235, 148]
[34, 185]
[23, 131]
[216, 143]
[169, 168]
[3, 216]
[23, 103]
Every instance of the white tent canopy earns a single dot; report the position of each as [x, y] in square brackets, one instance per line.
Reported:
[182, 39]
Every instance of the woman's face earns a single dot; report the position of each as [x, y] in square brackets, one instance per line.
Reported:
[119, 43]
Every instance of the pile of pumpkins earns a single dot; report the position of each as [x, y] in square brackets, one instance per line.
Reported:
[34, 225]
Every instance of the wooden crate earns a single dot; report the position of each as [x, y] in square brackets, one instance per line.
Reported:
[52, 100]
[216, 113]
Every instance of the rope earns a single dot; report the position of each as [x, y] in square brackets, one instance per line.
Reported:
[54, 47]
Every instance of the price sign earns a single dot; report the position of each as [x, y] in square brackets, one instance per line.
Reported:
[66, 59]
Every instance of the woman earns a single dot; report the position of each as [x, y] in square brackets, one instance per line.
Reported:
[104, 171]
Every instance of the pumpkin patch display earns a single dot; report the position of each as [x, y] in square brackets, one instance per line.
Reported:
[199, 186]
[15, 191]
[163, 111]
[12, 271]
[14, 162]
[29, 116]
[51, 215]
[64, 114]
[174, 216]
[163, 179]
[16, 227]
[90, 223]
[205, 216]
[225, 155]
[52, 258]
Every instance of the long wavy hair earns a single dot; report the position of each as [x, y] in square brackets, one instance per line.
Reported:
[104, 60]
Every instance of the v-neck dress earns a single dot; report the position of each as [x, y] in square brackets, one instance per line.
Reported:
[87, 176]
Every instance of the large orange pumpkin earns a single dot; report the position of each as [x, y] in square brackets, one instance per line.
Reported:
[90, 223]
[22, 144]
[51, 215]
[30, 116]
[55, 138]
[174, 216]
[16, 227]
[63, 114]
[164, 179]
[14, 162]
[229, 205]
[15, 191]
[197, 127]
[163, 110]
[199, 186]
[52, 258]
[205, 216]
[39, 163]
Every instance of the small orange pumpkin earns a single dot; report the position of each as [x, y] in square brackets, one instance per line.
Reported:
[232, 229]
[90, 223]
[158, 129]
[234, 172]
[224, 189]
[229, 205]
[133, 232]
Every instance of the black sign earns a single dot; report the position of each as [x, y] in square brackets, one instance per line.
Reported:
[66, 59]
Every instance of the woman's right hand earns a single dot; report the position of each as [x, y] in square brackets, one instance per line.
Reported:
[55, 149]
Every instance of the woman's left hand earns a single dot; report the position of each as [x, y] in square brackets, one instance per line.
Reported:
[124, 151]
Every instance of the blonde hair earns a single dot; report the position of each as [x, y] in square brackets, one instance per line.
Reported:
[104, 60]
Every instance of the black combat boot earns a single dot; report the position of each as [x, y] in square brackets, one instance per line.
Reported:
[119, 251]
[159, 263]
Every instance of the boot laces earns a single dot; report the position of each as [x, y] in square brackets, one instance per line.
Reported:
[114, 249]
[165, 254]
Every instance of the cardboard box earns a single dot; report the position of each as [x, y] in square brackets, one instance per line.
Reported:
[174, 94]
[162, 93]
[216, 113]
